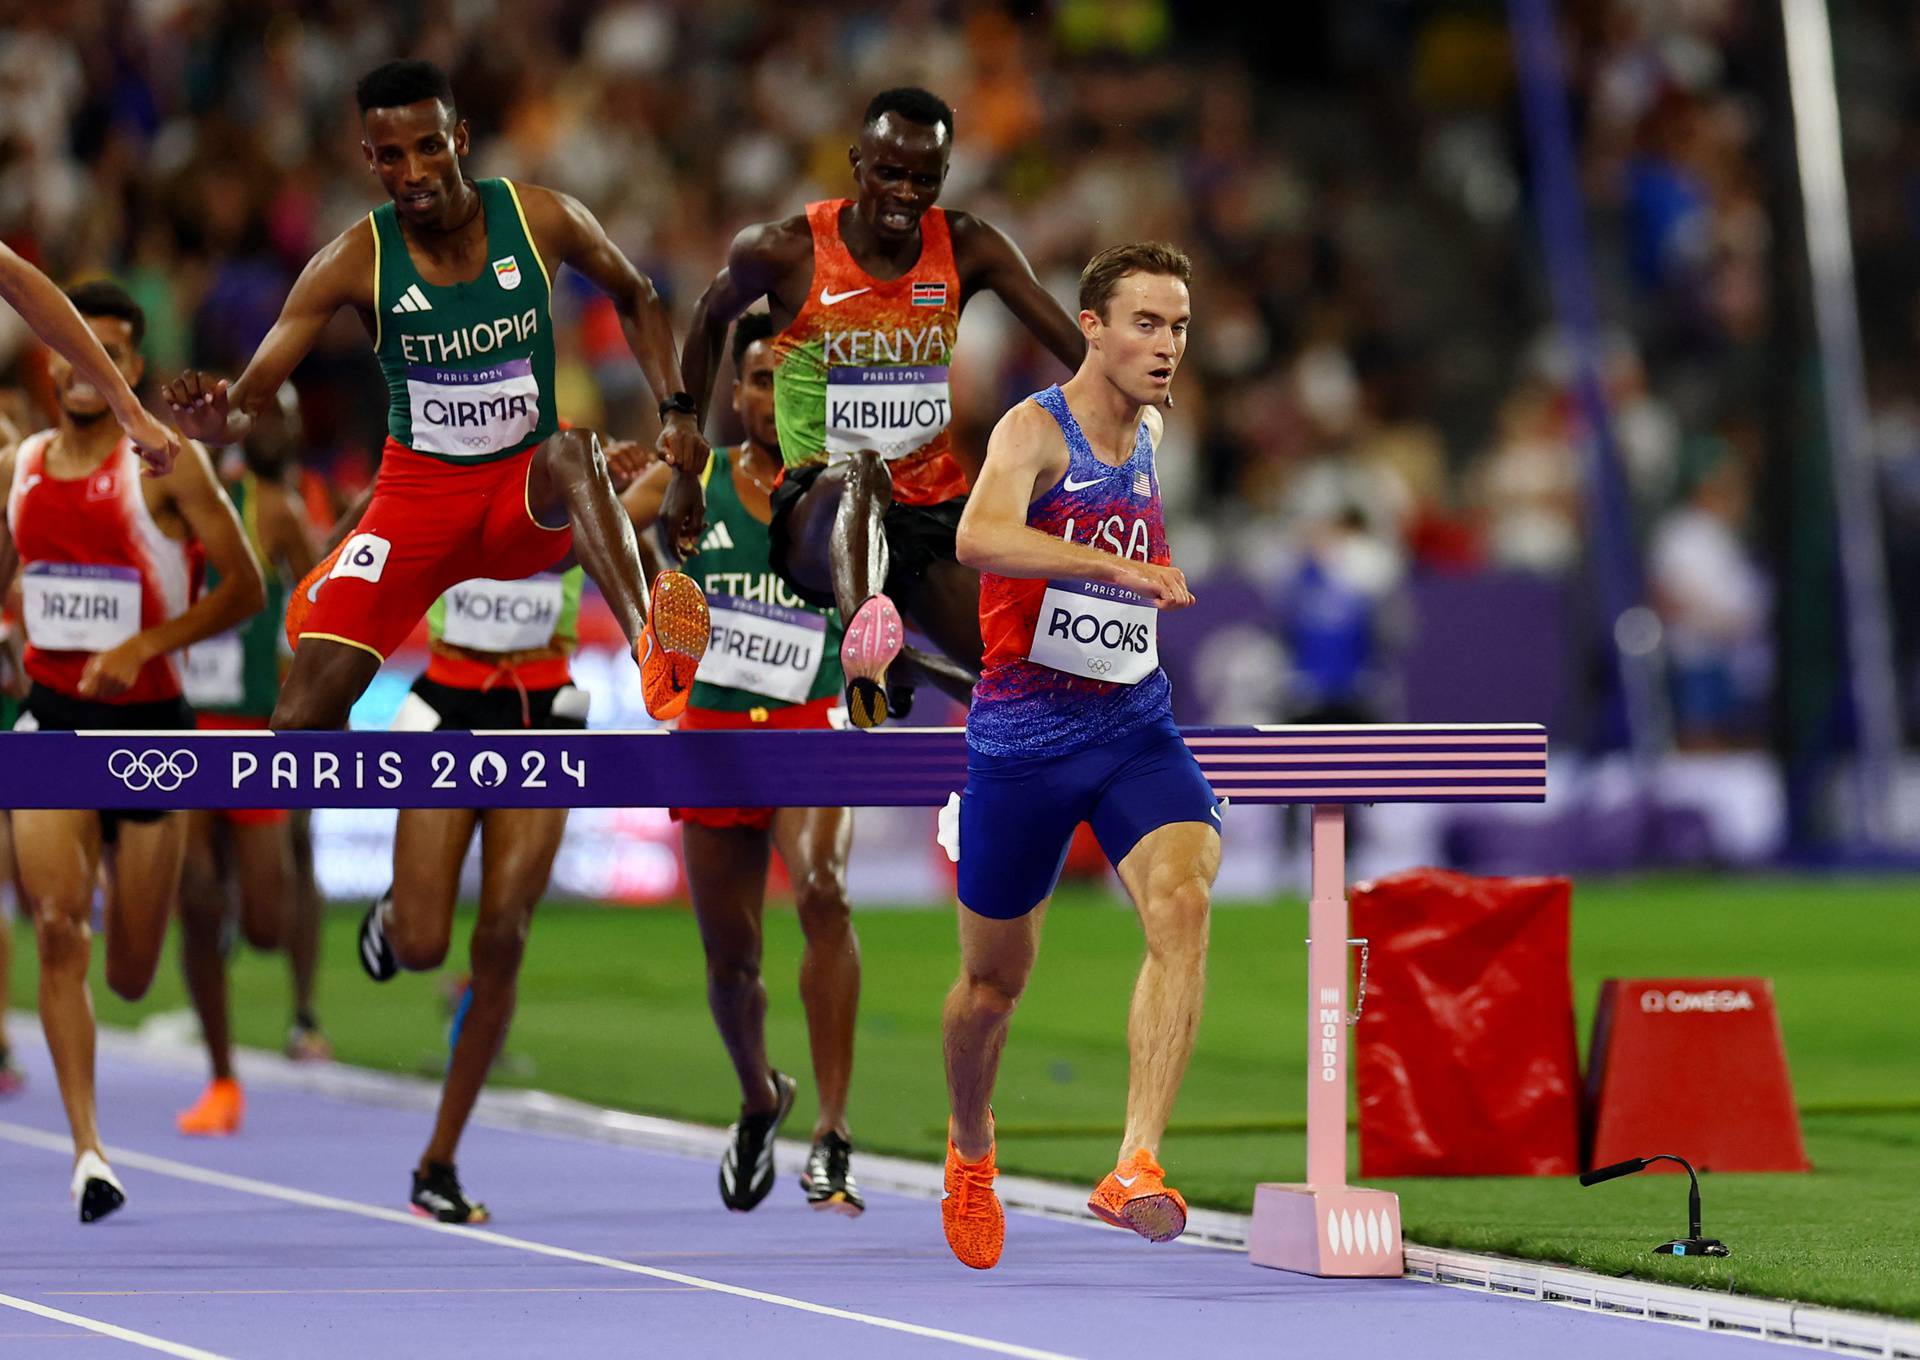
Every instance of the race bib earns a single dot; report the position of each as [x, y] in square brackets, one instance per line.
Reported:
[80, 609]
[472, 412]
[503, 616]
[1097, 632]
[763, 649]
[215, 671]
[893, 411]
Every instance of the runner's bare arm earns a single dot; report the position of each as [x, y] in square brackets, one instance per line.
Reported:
[9, 555]
[284, 533]
[13, 675]
[349, 519]
[210, 517]
[584, 244]
[1023, 457]
[646, 495]
[756, 260]
[340, 275]
[52, 317]
[988, 259]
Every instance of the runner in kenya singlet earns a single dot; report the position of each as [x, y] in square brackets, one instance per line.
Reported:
[864, 363]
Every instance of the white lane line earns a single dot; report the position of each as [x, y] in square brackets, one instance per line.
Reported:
[152, 1343]
[164, 1166]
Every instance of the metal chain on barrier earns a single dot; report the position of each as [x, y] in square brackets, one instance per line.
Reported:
[1360, 991]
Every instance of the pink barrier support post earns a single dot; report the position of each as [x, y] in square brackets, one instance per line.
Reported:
[1325, 1226]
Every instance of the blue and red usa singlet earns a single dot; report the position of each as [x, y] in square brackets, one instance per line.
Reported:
[1070, 663]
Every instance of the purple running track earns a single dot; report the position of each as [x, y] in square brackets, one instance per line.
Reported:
[291, 1240]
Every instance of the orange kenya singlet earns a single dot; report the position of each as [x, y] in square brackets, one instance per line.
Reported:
[864, 364]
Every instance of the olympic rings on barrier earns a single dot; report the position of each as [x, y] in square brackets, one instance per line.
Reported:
[150, 769]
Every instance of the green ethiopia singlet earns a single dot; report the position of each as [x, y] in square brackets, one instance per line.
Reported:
[238, 672]
[469, 368]
[768, 646]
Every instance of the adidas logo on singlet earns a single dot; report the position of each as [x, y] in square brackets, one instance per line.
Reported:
[717, 539]
[413, 300]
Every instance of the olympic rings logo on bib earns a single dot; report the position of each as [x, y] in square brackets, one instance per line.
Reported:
[150, 769]
[1089, 629]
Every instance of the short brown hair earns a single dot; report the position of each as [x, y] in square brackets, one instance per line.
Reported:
[1105, 270]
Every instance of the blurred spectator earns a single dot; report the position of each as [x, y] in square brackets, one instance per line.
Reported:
[1339, 617]
[1713, 598]
[1350, 187]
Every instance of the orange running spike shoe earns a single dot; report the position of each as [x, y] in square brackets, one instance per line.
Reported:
[217, 1113]
[970, 1212]
[1136, 1195]
[670, 649]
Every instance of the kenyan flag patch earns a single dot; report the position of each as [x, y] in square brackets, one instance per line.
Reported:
[930, 294]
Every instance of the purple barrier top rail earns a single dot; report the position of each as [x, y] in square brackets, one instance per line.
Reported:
[902, 767]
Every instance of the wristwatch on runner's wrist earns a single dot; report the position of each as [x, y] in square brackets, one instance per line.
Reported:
[678, 404]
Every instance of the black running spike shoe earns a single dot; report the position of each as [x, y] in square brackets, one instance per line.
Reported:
[96, 1190]
[746, 1168]
[437, 1194]
[827, 1181]
[376, 952]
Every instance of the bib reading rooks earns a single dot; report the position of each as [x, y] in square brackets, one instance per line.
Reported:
[1097, 631]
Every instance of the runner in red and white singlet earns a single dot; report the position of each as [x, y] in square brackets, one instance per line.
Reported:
[105, 579]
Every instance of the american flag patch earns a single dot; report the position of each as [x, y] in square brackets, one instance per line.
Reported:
[930, 294]
[1142, 484]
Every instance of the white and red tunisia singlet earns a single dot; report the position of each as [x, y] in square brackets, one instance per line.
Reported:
[95, 569]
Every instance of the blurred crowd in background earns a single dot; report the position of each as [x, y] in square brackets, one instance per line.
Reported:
[1375, 392]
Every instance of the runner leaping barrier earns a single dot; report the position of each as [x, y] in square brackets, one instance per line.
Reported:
[1322, 1226]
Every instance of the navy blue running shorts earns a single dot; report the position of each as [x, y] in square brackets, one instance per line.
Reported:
[1018, 813]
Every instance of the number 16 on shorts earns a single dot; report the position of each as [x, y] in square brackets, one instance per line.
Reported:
[364, 556]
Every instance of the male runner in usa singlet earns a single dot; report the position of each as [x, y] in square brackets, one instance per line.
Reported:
[865, 295]
[452, 279]
[1072, 721]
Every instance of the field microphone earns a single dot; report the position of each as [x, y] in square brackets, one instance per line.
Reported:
[1693, 1244]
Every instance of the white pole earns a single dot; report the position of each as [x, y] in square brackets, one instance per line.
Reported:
[1823, 190]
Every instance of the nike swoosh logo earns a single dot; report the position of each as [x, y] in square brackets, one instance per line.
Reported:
[1072, 485]
[1215, 811]
[945, 1195]
[827, 299]
[1126, 1182]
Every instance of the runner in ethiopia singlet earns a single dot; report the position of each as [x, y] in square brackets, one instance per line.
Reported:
[469, 367]
[773, 660]
[469, 370]
[1072, 720]
[864, 363]
[768, 647]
